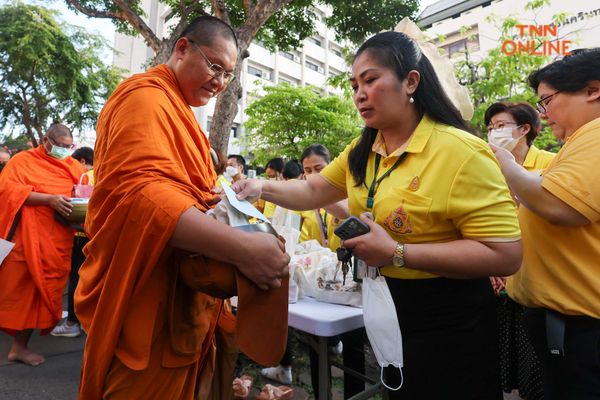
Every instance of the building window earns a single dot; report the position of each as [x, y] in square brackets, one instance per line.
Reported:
[336, 51]
[255, 71]
[259, 72]
[316, 41]
[290, 56]
[235, 130]
[312, 66]
[461, 46]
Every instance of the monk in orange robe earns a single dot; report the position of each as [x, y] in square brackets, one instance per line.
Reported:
[37, 183]
[154, 180]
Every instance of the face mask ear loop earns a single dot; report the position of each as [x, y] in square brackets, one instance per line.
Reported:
[391, 388]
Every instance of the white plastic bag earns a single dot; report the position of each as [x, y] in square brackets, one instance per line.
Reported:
[283, 224]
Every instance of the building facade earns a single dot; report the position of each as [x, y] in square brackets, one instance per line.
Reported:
[458, 26]
[319, 58]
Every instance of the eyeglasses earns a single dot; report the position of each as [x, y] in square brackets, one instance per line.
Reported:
[543, 103]
[500, 125]
[216, 71]
[64, 146]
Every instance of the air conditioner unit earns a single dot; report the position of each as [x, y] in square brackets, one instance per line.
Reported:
[266, 75]
[320, 70]
[296, 59]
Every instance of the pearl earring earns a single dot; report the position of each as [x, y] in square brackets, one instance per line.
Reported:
[411, 100]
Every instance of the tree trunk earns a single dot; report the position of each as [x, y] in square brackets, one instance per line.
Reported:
[227, 102]
[226, 109]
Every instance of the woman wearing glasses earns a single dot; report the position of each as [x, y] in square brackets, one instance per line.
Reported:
[559, 281]
[514, 127]
[443, 220]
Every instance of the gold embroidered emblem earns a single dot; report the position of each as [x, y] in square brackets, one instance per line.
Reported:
[398, 221]
[414, 184]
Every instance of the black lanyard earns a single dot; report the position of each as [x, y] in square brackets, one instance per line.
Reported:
[323, 221]
[375, 183]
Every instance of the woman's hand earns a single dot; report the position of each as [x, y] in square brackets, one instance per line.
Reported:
[60, 204]
[503, 156]
[248, 189]
[376, 248]
[498, 283]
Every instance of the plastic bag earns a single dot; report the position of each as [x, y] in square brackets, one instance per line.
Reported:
[283, 222]
[83, 190]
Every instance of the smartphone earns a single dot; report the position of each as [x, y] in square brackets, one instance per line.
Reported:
[350, 228]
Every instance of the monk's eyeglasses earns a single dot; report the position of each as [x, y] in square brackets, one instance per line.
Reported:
[216, 71]
[64, 146]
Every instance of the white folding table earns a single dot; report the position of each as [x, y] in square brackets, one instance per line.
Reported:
[324, 320]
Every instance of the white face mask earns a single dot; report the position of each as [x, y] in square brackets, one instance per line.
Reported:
[503, 138]
[381, 323]
[230, 172]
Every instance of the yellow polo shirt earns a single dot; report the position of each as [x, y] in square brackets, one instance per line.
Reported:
[561, 264]
[536, 159]
[449, 187]
[311, 228]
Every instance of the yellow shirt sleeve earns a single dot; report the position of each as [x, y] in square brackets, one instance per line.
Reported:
[479, 203]
[575, 178]
[269, 209]
[335, 172]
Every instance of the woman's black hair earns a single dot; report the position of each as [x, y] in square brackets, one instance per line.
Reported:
[571, 73]
[292, 169]
[276, 164]
[522, 113]
[398, 52]
[317, 150]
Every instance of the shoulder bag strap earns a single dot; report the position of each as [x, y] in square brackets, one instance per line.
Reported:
[13, 228]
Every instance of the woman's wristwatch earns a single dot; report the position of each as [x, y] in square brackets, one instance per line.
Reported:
[398, 258]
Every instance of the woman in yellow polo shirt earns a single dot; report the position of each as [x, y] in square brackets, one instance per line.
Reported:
[514, 127]
[443, 218]
[320, 224]
[559, 281]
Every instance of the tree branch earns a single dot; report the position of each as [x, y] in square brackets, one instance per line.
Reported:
[90, 12]
[248, 6]
[220, 10]
[262, 11]
[127, 14]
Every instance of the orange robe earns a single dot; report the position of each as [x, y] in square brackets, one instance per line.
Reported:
[34, 274]
[152, 164]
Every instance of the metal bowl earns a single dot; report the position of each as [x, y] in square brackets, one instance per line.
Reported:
[260, 227]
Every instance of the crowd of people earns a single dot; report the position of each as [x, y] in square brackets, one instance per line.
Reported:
[465, 232]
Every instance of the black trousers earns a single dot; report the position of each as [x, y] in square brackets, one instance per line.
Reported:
[449, 339]
[77, 259]
[576, 374]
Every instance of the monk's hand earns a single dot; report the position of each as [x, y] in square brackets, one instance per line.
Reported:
[249, 189]
[376, 248]
[263, 260]
[60, 204]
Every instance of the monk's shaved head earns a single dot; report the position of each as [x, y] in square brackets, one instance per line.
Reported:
[204, 29]
[59, 130]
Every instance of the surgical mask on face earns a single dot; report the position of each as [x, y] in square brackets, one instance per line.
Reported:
[503, 138]
[230, 172]
[59, 152]
[381, 323]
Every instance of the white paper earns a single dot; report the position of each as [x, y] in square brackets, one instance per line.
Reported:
[5, 248]
[243, 206]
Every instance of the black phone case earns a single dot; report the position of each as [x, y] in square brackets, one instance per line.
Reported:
[350, 228]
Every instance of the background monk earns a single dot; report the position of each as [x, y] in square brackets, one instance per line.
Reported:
[154, 177]
[38, 182]
[4, 157]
